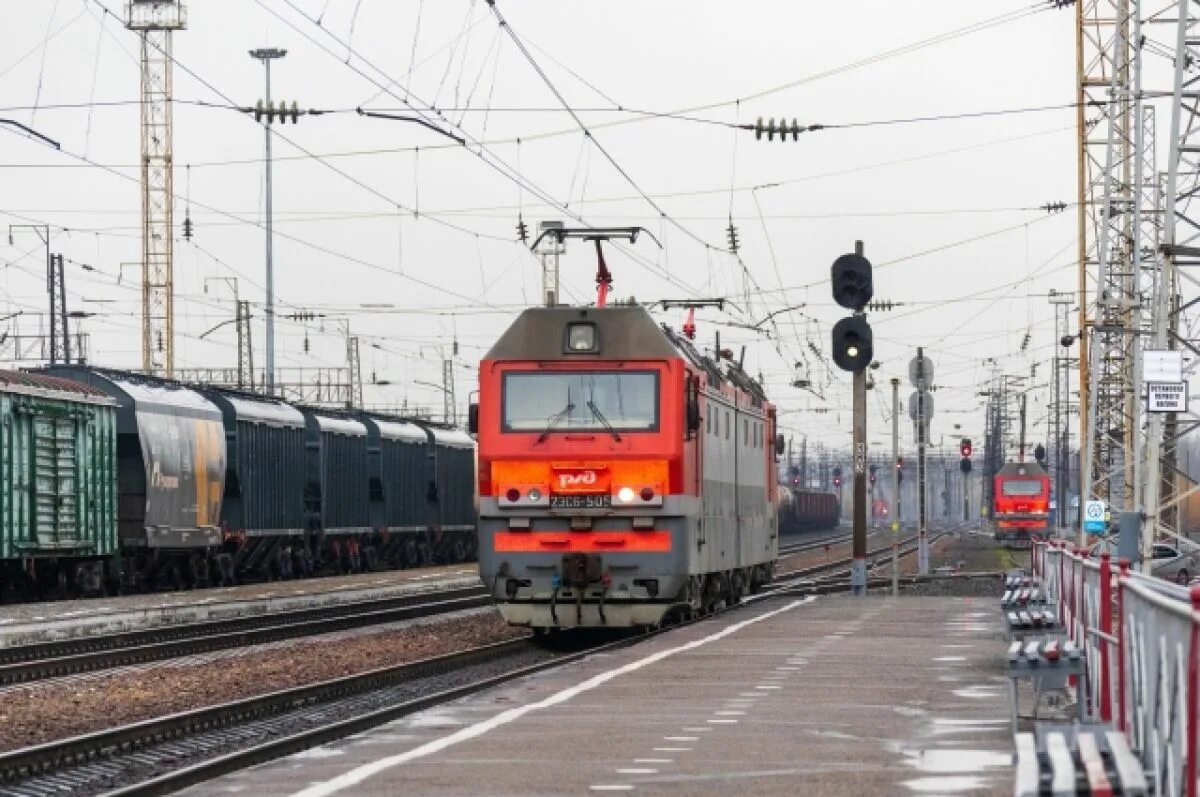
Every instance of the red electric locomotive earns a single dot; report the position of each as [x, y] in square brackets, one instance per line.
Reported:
[623, 475]
[1021, 503]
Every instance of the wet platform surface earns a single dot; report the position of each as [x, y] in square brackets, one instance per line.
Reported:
[833, 696]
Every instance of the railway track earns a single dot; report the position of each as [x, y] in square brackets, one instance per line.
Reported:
[26, 663]
[163, 755]
[908, 546]
[840, 538]
[29, 663]
[166, 754]
[40, 661]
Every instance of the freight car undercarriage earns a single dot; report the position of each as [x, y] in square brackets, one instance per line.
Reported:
[244, 559]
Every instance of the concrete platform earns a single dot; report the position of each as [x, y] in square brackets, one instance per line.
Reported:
[834, 696]
[30, 623]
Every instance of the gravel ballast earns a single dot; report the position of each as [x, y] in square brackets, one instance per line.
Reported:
[41, 714]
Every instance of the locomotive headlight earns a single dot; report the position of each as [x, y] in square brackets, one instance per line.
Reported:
[534, 494]
[581, 338]
[625, 495]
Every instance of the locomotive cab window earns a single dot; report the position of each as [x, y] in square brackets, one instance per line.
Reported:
[1021, 487]
[591, 401]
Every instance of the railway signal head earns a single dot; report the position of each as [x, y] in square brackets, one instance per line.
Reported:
[964, 465]
[852, 286]
[873, 469]
[837, 477]
[965, 447]
[1039, 454]
[852, 344]
[899, 469]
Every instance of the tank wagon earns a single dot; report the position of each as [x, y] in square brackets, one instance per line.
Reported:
[210, 486]
[623, 476]
[807, 510]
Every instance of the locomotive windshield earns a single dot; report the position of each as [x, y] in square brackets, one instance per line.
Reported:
[581, 401]
[1021, 487]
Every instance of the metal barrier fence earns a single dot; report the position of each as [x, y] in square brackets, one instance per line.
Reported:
[1145, 677]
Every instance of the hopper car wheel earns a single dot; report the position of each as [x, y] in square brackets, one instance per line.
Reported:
[459, 550]
[410, 553]
[178, 583]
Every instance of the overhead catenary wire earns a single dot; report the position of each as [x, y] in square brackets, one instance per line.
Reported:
[476, 147]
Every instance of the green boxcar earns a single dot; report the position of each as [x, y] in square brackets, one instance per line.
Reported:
[58, 479]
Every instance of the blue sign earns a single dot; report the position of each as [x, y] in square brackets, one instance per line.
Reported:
[1093, 517]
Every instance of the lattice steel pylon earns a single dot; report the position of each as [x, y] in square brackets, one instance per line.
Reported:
[449, 405]
[354, 365]
[1179, 249]
[156, 21]
[1107, 200]
[245, 345]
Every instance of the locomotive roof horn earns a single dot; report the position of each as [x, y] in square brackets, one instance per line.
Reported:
[597, 234]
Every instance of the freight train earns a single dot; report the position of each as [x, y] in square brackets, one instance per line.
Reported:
[807, 510]
[1021, 503]
[112, 481]
[624, 476]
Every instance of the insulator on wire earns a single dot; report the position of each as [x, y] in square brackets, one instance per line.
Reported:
[187, 228]
[522, 230]
[732, 233]
[783, 129]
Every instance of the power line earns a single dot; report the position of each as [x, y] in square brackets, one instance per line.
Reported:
[476, 147]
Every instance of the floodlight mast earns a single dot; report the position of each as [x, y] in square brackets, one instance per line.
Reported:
[597, 234]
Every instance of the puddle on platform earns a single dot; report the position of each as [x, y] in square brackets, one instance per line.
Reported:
[317, 753]
[909, 711]
[432, 721]
[956, 762]
[951, 727]
[978, 692]
[950, 785]
[951, 658]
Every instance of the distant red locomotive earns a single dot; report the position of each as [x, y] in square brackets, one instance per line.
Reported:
[623, 475]
[1021, 503]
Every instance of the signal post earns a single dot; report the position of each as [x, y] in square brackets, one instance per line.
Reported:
[853, 351]
[896, 486]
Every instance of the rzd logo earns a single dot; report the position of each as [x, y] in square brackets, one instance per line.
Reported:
[583, 479]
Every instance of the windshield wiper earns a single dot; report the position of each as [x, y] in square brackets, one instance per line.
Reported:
[600, 417]
[555, 421]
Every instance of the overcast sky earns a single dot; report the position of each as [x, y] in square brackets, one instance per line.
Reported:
[389, 213]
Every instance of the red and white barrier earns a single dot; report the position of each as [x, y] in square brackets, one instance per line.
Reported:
[1144, 677]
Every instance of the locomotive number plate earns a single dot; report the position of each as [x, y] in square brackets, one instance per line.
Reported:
[586, 501]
